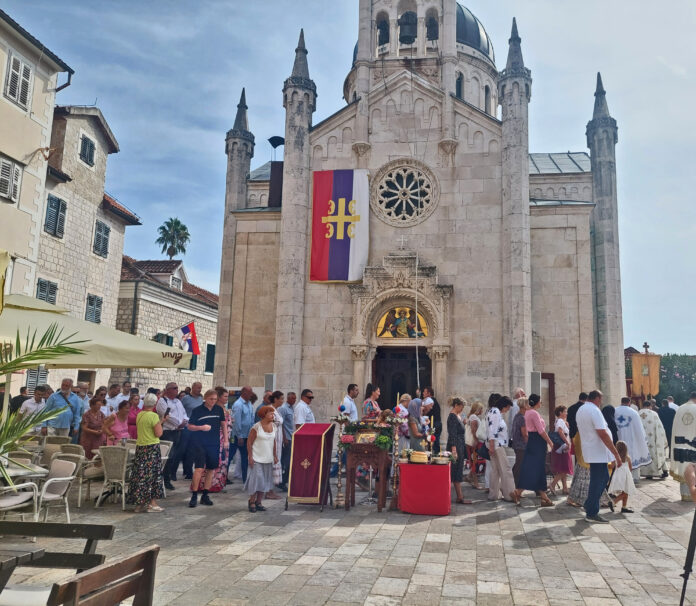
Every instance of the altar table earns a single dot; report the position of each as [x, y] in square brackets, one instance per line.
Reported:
[425, 489]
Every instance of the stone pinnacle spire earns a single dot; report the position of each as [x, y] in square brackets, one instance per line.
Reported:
[514, 59]
[300, 69]
[241, 122]
[601, 109]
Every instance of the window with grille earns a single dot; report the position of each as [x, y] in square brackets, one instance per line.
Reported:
[101, 239]
[94, 309]
[87, 150]
[210, 357]
[55, 217]
[18, 81]
[46, 291]
[10, 179]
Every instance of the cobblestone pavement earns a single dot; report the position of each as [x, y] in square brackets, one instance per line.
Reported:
[484, 553]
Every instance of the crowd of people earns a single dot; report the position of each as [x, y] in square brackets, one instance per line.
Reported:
[601, 450]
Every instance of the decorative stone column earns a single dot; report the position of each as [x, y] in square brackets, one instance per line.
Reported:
[359, 354]
[439, 354]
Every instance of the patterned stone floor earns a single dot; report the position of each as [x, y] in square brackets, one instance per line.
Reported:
[483, 553]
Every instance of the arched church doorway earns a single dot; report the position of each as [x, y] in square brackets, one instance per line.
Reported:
[394, 371]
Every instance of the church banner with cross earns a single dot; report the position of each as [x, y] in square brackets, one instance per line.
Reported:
[340, 225]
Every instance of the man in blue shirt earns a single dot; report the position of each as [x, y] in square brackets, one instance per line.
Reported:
[69, 418]
[243, 415]
[288, 417]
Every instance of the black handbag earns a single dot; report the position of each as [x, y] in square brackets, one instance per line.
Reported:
[556, 438]
[482, 452]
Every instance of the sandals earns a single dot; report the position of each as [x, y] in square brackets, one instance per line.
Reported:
[154, 509]
[252, 507]
[464, 501]
[546, 503]
[515, 498]
[260, 507]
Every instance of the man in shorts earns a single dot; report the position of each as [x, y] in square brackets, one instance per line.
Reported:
[205, 423]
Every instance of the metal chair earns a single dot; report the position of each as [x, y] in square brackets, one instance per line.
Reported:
[57, 486]
[20, 496]
[165, 447]
[115, 463]
[77, 449]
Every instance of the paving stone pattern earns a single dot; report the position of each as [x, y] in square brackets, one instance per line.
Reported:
[485, 553]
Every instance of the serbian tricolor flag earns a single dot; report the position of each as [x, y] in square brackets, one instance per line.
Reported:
[340, 225]
[188, 341]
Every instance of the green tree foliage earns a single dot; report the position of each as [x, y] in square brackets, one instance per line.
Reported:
[677, 377]
[173, 237]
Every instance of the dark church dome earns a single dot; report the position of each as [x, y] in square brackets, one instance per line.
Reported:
[470, 31]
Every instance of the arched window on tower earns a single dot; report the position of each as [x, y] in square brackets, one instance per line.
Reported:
[408, 27]
[459, 86]
[432, 25]
[382, 29]
[487, 99]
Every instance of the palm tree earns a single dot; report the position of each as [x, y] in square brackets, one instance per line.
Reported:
[173, 237]
[15, 356]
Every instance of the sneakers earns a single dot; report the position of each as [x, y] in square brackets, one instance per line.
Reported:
[596, 519]
[194, 500]
[626, 510]
[205, 500]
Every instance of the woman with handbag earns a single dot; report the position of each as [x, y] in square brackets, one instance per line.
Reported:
[475, 436]
[456, 445]
[561, 463]
[518, 438]
[533, 473]
[501, 473]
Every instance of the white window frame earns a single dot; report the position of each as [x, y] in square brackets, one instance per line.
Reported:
[93, 139]
[173, 282]
[12, 56]
[10, 174]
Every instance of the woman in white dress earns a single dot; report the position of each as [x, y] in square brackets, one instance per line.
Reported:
[621, 485]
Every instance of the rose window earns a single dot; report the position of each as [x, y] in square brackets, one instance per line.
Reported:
[404, 193]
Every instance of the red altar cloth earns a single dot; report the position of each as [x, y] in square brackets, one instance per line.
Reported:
[425, 489]
[310, 460]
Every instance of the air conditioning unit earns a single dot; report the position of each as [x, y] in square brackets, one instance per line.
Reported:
[269, 381]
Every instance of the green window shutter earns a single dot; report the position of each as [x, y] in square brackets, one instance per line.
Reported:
[89, 310]
[94, 309]
[98, 310]
[6, 170]
[106, 233]
[170, 340]
[52, 292]
[210, 357]
[194, 362]
[87, 150]
[60, 226]
[52, 208]
[42, 289]
[101, 239]
[160, 338]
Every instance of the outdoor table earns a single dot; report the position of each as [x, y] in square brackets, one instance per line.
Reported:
[12, 556]
[33, 471]
[425, 489]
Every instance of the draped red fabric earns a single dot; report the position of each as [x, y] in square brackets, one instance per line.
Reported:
[425, 489]
[310, 461]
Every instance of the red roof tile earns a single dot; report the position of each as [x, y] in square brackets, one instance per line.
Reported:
[117, 208]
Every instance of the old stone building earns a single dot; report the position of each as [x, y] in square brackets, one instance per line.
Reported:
[83, 227]
[155, 299]
[486, 264]
[29, 76]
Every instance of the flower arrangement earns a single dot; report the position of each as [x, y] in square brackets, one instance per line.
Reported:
[384, 442]
[341, 418]
[347, 439]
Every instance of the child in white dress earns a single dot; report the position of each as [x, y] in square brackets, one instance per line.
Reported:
[621, 485]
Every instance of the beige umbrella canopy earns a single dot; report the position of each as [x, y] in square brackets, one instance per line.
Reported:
[103, 347]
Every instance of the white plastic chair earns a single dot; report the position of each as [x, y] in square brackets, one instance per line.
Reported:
[57, 486]
[115, 464]
[20, 496]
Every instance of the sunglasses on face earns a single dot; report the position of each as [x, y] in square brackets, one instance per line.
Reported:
[310, 397]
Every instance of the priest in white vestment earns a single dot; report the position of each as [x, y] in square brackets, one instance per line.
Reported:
[684, 444]
[630, 430]
[657, 442]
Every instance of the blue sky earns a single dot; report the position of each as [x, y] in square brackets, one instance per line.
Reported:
[167, 75]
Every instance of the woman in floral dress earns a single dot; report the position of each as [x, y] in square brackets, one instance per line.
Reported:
[91, 434]
[145, 485]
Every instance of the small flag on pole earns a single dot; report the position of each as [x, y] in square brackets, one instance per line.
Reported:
[186, 335]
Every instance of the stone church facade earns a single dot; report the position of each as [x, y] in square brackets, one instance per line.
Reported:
[511, 258]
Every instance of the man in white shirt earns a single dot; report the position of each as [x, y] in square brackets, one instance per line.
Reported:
[597, 450]
[173, 422]
[672, 404]
[33, 404]
[303, 413]
[519, 393]
[113, 398]
[349, 403]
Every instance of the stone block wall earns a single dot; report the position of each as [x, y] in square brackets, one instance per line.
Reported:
[563, 322]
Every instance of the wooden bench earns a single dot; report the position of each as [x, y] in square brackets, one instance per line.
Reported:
[108, 584]
[93, 533]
